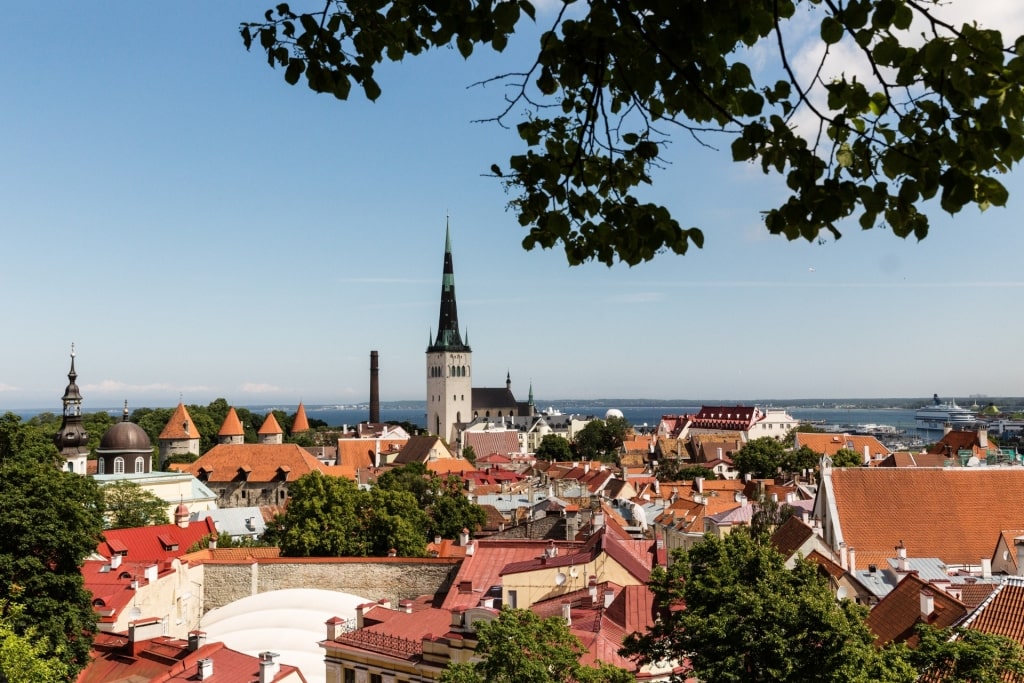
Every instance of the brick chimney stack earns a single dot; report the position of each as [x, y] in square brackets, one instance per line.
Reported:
[374, 389]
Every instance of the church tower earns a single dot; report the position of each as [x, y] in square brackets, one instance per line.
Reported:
[449, 362]
[72, 440]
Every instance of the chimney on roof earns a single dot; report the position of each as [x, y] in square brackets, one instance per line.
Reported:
[204, 669]
[844, 554]
[115, 560]
[983, 438]
[927, 604]
[986, 568]
[196, 639]
[567, 612]
[867, 455]
[464, 537]
[374, 389]
[335, 627]
[852, 555]
[946, 429]
[268, 666]
[609, 596]
[902, 564]
[405, 606]
[698, 483]
[142, 630]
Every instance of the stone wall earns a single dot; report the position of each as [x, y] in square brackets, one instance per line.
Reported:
[375, 578]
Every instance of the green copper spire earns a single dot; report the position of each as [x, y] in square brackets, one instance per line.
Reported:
[448, 336]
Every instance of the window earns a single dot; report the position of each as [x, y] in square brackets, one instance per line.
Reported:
[140, 465]
[512, 599]
[376, 678]
[119, 465]
[349, 676]
[100, 466]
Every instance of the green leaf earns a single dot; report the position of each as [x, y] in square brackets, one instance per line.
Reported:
[831, 30]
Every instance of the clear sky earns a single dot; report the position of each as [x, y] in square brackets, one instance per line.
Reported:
[198, 228]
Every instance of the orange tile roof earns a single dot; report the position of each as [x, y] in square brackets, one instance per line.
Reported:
[1003, 612]
[264, 462]
[830, 444]
[450, 466]
[361, 453]
[954, 514]
[270, 426]
[232, 425]
[180, 426]
[499, 442]
[301, 422]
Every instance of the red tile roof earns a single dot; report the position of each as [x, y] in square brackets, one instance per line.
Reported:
[726, 417]
[270, 426]
[166, 660]
[1003, 612]
[263, 462]
[404, 631]
[894, 617]
[500, 442]
[954, 514]
[830, 444]
[180, 426]
[232, 425]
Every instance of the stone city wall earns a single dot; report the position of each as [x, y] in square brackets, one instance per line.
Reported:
[376, 578]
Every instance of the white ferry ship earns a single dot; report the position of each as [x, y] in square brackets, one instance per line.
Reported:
[941, 413]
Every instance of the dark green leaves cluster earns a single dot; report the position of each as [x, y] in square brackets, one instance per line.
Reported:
[748, 618]
[50, 521]
[600, 439]
[554, 448]
[333, 517]
[127, 505]
[767, 458]
[520, 647]
[940, 118]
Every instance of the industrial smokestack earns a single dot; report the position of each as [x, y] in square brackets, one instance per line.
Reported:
[374, 390]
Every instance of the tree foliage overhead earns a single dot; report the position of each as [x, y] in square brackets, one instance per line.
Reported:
[901, 109]
[127, 505]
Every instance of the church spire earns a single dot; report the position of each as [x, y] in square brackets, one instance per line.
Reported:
[72, 439]
[448, 336]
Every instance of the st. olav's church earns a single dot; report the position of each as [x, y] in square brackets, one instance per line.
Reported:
[452, 401]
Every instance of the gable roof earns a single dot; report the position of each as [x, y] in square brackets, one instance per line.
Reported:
[829, 444]
[894, 617]
[726, 417]
[260, 461]
[954, 514]
[501, 442]
[232, 425]
[270, 426]
[493, 397]
[791, 536]
[419, 448]
[1002, 612]
[908, 459]
[180, 426]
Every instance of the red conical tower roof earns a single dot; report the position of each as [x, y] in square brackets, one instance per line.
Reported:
[300, 423]
[180, 426]
[232, 425]
[270, 426]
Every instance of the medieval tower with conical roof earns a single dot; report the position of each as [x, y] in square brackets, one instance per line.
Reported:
[72, 439]
[449, 362]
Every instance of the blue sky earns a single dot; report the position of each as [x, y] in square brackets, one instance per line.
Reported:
[198, 228]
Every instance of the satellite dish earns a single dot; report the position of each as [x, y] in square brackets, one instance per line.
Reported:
[574, 572]
[559, 579]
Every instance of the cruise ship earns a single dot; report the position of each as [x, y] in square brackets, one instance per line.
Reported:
[940, 414]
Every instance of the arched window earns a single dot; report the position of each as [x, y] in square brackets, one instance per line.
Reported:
[119, 465]
[140, 465]
[100, 466]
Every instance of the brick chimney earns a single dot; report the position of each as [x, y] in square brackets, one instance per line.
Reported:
[374, 389]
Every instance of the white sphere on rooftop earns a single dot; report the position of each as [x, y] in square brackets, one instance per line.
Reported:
[613, 412]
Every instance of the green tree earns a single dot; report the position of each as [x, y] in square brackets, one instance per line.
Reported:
[762, 457]
[600, 439]
[520, 647]
[554, 448]
[411, 477]
[963, 654]
[469, 454]
[332, 517]
[674, 470]
[127, 505]
[450, 514]
[748, 618]
[24, 658]
[799, 459]
[845, 457]
[891, 118]
[50, 521]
